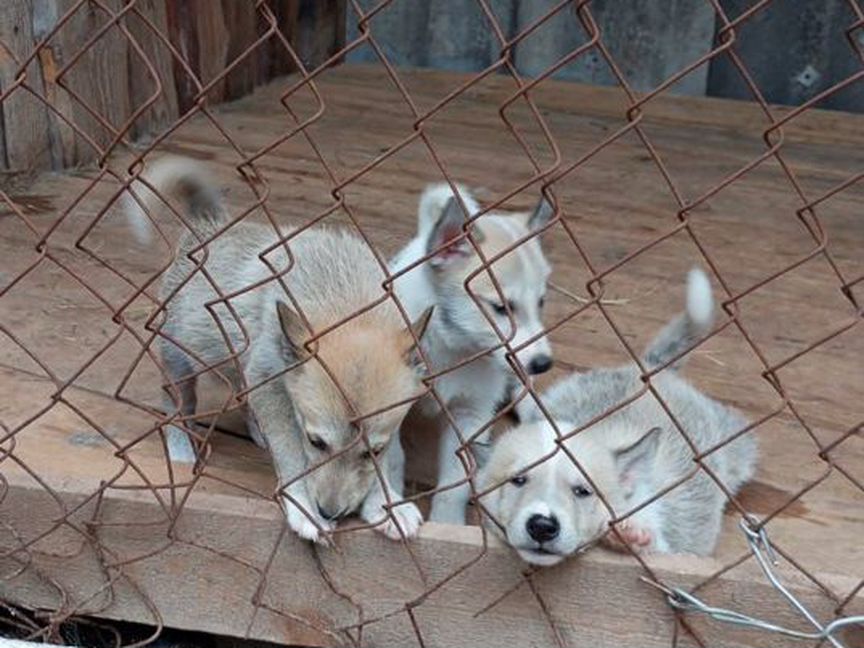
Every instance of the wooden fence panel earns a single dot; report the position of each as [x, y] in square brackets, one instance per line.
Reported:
[793, 51]
[109, 79]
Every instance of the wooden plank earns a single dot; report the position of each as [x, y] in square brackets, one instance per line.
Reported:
[453, 36]
[111, 80]
[142, 85]
[793, 52]
[648, 44]
[241, 19]
[321, 30]
[25, 123]
[273, 59]
[400, 29]
[577, 102]
[212, 33]
[94, 92]
[223, 542]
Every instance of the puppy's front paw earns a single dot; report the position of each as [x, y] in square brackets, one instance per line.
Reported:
[407, 516]
[304, 527]
[635, 537]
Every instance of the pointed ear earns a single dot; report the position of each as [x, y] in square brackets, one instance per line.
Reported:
[448, 229]
[543, 213]
[418, 327]
[294, 330]
[635, 458]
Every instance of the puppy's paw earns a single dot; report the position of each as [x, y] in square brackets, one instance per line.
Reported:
[409, 519]
[407, 516]
[632, 537]
[303, 526]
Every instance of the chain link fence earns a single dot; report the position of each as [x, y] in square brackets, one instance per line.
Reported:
[83, 520]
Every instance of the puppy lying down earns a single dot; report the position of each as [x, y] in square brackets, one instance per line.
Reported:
[547, 509]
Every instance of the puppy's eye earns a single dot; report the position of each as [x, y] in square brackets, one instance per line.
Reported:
[582, 491]
[373, 452]
[500, 309]
[541, 303]
[318, 443]
[519, 480]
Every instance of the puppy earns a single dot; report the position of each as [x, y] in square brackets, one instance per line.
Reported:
[550, 510]
[460, 329]
[300, 415]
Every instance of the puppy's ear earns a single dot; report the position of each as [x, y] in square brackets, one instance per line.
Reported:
[633, 460]
[448, 232]
[418, 327]
[294, 330]
[542, 214]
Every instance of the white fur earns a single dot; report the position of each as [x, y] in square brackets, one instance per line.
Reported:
[432, 203]
[166, 176]
[700, 301]
[459, 329]
[631, 455]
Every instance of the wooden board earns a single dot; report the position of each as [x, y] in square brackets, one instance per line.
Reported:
[25, 123]
[648, 44]
[615, 203]
[107, 81]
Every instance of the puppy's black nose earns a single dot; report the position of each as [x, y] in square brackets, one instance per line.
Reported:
[540, 364]
[327, 515]
[543, 528]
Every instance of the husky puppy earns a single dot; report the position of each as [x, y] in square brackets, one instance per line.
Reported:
[550, 510]
[299, 415]
[460, 329]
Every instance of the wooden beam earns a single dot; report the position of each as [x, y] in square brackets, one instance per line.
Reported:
[96, 540]
[208, 576]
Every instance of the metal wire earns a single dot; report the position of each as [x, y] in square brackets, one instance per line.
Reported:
[45, 75]
[757, 540]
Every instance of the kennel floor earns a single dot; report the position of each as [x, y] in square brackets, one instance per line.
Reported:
[165, 539]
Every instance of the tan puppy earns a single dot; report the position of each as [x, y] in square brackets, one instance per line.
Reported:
[300, 415]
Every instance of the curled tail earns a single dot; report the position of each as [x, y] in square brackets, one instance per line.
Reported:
[687, 328]
[182, 183]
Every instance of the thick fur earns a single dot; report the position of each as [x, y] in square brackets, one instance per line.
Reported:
[334, 274]
[459, 328]
[629, 456]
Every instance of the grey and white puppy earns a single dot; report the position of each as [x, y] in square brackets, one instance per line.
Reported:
[549, 511]
[460, 329]
[301, 415]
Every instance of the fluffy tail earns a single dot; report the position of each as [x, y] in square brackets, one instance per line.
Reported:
[687, 328]
[433, 200]
[186, 186]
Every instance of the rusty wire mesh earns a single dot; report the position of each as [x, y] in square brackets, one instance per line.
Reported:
[74, 524]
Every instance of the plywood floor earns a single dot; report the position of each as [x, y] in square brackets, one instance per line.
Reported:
[614, 203]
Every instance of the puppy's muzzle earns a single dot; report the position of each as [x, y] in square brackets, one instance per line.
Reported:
[540, 364]
[543, 528]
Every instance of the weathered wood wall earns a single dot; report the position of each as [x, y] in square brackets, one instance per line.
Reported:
[794, 49]
[75, 97]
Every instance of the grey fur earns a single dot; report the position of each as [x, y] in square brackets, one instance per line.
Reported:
[686, 519]
[691, 513]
